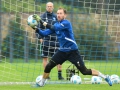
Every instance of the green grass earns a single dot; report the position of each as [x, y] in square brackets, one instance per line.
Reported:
[63, 87]
[27, 72]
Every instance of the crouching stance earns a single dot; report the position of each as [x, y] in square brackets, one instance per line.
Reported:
[68, 48]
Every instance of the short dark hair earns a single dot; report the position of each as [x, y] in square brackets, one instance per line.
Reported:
[64, 10]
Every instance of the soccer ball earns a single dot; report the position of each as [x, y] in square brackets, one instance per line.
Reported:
[76, 79]
[115, 79]
[31, 22]
[38, 79]
[96, 80]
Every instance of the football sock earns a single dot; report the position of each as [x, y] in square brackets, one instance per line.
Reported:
[101, 75]
[59, 73]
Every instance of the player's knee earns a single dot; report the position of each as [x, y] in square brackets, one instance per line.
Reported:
[49, 66]
[84, 70]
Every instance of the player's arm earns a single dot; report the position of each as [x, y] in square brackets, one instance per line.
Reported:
[42, 18]
[61, 26]
[38, 35]
[38, 19]
[38, 30]
[40, 26]
[45, 32]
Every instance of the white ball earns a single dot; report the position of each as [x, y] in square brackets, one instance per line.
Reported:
[76, 79]
[31, 22]
[115, 79]
[96, 80]
[39, 78]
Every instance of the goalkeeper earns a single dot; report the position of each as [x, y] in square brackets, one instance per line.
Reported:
[68, 48]
[50, 43]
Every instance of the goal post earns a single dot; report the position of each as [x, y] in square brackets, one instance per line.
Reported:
[96, 30]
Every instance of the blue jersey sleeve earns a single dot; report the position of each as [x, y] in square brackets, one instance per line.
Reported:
[38, 35]
[62, 26]
[45, 32]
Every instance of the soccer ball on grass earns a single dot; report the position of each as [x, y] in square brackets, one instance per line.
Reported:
[76, 79]
[115, 79]
[38, 79]
[96, 80]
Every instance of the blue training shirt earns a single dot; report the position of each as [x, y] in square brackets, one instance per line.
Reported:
[64, 32]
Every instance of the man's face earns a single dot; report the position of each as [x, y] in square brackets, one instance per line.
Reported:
[61, 15]
[49, 7]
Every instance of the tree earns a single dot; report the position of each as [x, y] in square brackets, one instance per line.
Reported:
[16, 43]
[90, 37]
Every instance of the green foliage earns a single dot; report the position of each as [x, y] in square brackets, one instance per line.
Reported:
[90, 38]
[30, 6]
[15, 33]
[16, 39]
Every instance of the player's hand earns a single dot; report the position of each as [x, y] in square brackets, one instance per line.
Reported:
[41, 40]
[44, 23]
[36, 17]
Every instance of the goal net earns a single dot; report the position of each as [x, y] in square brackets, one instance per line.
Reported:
[96, 30]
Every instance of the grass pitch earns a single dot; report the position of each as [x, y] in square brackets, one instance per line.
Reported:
[27, 72]
[63, 87]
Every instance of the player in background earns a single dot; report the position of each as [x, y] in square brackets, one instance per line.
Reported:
[68, 48]
[50, 43]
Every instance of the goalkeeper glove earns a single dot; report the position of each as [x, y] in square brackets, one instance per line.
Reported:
[36, 17]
